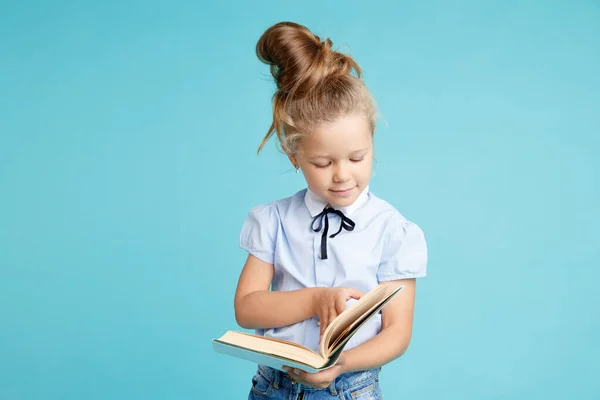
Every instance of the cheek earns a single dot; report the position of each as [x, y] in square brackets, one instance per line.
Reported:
[315, 177]
[364, 171]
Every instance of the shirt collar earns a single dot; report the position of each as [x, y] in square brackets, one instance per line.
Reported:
[316, 204]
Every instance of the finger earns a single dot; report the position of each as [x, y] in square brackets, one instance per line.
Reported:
[340, 304]
[323, 322]
[298, 375]
[355, 294]
[332, 314]
[305, 378]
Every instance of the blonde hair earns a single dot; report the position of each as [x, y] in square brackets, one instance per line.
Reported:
[315, 84]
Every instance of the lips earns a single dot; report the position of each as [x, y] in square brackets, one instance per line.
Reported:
[341, 192]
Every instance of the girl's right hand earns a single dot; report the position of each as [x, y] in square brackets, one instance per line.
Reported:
[330, 302]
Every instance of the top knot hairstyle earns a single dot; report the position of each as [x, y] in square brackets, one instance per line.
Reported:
[315, 84]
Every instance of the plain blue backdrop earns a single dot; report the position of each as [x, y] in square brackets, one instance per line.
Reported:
[128, 137]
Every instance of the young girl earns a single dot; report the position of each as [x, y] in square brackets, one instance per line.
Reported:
[333, 241]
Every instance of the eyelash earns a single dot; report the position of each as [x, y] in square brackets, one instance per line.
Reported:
[355, 160]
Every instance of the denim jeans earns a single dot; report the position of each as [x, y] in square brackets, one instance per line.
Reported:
[269, 383]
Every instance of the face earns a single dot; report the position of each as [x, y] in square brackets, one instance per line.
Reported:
[336, 159]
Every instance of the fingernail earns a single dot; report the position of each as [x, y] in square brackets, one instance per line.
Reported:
[297, 372]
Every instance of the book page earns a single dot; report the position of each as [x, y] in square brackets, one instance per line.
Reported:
[344, 336]
[351, 314]
[353, 326]
[276, 347]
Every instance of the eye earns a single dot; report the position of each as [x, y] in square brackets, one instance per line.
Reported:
[322, 165]
[356, 160]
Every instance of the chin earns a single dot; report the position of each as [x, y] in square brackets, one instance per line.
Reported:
[341, 202]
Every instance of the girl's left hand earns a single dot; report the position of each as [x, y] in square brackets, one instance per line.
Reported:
[319, 380]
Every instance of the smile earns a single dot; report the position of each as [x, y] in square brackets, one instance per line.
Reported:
[342, 192]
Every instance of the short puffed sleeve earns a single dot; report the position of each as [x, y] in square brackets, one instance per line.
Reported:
[259, 232]
[404, 253]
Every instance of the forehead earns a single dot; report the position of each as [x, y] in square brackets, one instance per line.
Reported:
[345, 135]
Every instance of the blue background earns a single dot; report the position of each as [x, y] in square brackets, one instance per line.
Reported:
[128, 136]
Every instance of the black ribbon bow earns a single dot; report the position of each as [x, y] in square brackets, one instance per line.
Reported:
[346, 224]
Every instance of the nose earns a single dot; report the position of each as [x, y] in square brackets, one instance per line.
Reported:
[341, 173]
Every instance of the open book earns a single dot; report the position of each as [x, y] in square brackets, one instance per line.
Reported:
[277, 353]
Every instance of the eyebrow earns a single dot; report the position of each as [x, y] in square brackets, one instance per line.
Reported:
[354, 153]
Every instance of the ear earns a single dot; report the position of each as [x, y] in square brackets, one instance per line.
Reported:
[293, 160]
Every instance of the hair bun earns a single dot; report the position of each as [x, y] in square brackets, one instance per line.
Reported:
[299, 60]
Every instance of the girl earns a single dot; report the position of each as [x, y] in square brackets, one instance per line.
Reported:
[333, 241]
